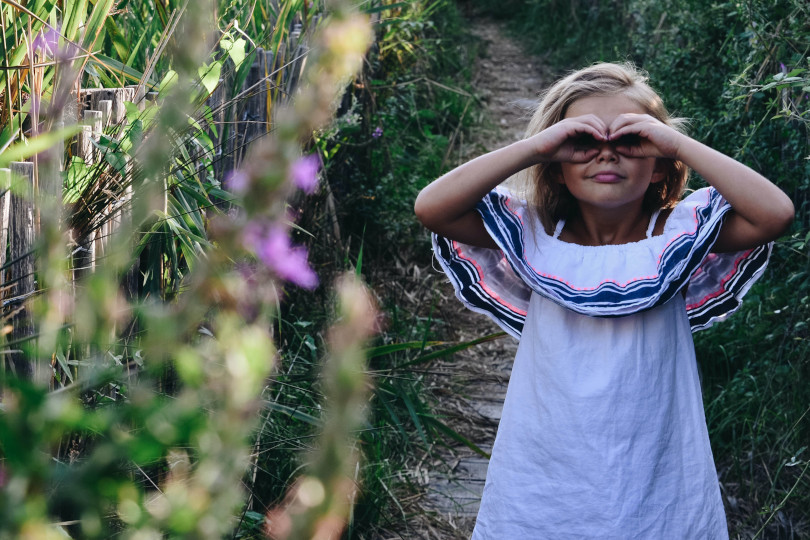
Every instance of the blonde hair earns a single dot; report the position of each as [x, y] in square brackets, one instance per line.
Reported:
[551, 200]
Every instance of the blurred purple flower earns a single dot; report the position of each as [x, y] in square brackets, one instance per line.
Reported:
[783, 66]
[237, 181]
[46, 42]
[377, 133]
[272, 246]
[304, 172]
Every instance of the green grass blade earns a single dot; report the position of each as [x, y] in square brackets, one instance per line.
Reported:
[293, 413]
[119, 41]
[95, 24]
[115, 66]
[454, 349]
[383, 350]
[35, 145]
[417, 422]
[359, 266]
[74, 14]
[455, 435]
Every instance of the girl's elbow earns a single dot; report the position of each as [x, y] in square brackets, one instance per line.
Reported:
[421, 207]
[786, 214]
[781, 217]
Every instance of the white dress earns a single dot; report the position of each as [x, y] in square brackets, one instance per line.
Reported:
[603, 433]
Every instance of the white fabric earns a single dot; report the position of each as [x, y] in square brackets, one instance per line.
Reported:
[653, 220]
[650, 226]
[603, 432]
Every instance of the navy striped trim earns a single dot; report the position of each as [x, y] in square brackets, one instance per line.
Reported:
[680, 259]
[467, 282]
[719, 307]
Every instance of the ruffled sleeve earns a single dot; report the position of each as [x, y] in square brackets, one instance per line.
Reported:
[601, 281]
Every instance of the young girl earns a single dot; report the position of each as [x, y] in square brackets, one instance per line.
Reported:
[600, 271]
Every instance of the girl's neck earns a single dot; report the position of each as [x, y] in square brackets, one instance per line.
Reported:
[600, 226]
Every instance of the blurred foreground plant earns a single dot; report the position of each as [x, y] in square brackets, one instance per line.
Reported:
[116, 451]
[318, 505]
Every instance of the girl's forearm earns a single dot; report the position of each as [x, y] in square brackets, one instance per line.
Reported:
[753, 197]
[455, 194]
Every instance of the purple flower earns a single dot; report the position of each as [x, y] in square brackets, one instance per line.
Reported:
[304, 172]
[47, 41]
[783, 66]
[377, 133]
[272, 246]
[237, 181]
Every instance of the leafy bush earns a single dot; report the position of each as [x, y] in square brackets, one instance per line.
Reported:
[398, 127]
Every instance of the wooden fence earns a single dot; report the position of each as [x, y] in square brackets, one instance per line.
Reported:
[246, 114]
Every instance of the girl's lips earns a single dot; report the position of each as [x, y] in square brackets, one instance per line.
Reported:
[607, 177]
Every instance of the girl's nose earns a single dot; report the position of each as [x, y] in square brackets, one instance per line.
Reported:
[607, 152]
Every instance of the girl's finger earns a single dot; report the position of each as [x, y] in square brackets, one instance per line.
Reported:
[633, 151]
[629, 120]
[637, 128]
[598, 127]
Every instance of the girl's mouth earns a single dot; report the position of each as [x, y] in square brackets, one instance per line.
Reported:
[607, 178]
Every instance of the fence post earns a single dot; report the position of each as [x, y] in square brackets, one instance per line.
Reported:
[5, 206]
[21, 258]
[254, 115]
[84, 258]
[216, 102]
[105, 106]
[94, 98]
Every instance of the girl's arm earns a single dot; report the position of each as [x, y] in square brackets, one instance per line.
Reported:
[760, 212]
[447, 205]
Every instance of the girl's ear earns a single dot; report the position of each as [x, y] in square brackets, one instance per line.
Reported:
[660, 170]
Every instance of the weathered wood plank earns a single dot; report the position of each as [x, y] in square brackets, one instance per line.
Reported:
[91, 98]
[21, 255]
[106, 107]
[5, 207]
[138, 94]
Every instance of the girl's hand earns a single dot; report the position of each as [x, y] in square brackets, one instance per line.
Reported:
[570, 140]
[641, 135]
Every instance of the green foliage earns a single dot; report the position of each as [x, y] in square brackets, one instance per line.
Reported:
[147, 433]
[159, 409]
[756, 404]
[397, 129]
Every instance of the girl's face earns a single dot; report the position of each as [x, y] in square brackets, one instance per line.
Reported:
[609, 180]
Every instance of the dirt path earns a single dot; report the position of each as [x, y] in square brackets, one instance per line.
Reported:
[471, 388]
